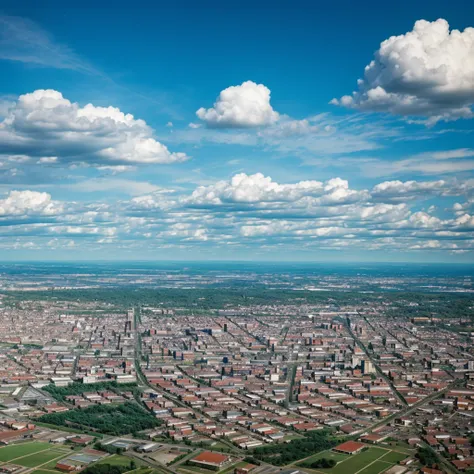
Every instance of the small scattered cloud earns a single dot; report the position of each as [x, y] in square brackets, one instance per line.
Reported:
[123, 186]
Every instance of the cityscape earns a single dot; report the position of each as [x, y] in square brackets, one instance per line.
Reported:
[269, 379]
[236, 237]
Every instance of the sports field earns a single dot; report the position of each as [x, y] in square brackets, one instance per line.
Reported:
[38, 459]
[376, 468]
[374, 460]
[338, 457]
[7, 453]
[33, 455]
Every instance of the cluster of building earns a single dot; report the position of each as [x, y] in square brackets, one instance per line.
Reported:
[268, 374]
[58, 343]
[249, 376]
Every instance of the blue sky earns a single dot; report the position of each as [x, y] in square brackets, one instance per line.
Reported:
[237, 130]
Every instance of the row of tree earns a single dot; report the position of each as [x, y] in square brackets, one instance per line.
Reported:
[109, 468]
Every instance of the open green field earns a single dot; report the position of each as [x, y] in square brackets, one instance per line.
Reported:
[400, 446]
[7, 453]
[376, 468]
[372, 461]
[43, 471]
[393, 457]
[338, 457]
[117, 460]
[357, 462]
[40, 458]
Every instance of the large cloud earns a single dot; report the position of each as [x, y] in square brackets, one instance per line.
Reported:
[428, 71]
[243, 188]
[247, 105]
[258, 189]
[45, 124]
[23, 203]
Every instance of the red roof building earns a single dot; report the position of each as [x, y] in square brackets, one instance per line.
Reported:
[350, 447]
[210, 460]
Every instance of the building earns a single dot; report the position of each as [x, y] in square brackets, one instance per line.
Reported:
[373, 438]
[61, 381]
[367, 367]
[148, 448]
[350, 447]
[66, 467]
[210, 460]
[244, 469]
[10, 468]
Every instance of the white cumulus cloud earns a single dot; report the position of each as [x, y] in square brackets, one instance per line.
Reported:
[407, 190]
[427, 72]
[45, 124]
[22, 203]
[247, 105]
[254, 188]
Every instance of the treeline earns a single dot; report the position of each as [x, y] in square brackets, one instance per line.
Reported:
[108, 419]
[200, 298]
[108, 468]
[285, 453]
[77, 388]
[444, 304]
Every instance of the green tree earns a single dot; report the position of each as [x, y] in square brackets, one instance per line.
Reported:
[427, 456]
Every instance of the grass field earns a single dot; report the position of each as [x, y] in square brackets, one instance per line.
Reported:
[372, 461]
[38, 459]
[356, 462]
[338, 457]
[393, 457]
[7, 453]
[117, 460]
[400, 446]
[376, 468]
